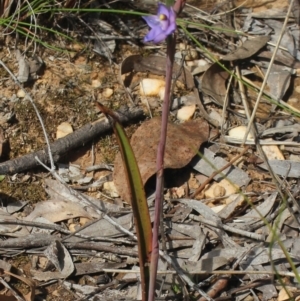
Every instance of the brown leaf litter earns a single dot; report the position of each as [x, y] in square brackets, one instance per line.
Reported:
[183, 142]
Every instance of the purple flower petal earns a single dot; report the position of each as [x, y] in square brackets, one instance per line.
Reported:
[152, 21]
[163, 10]
[148, 37]
[171, 29]
[160, 37]
[152, 34]
[162, 25]
[172, 16]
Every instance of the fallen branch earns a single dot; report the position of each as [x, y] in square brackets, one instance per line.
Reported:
[62, 146]
[211, 223]
[44, 240]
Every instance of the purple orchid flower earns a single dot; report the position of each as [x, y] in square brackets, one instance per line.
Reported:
[162, 25]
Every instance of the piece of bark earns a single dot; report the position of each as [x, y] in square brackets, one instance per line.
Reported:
[62, 146]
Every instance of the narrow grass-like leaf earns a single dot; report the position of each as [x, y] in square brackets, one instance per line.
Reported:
[138, 201]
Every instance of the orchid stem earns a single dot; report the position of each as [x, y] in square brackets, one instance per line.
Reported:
[171, 42]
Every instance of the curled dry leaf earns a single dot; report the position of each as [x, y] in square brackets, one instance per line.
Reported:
[214, 78]
[247, 49]
[183, 142]
[57, 253]
[213, 82]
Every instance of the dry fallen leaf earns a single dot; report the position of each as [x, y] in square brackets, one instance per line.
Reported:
[183, 142]
[56, 211]
[247, 49]
[57, 253]
[213, 82]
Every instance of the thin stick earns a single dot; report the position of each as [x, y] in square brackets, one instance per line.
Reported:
[243, 92]
[58, 228]
[62, 146]
[199, 272]
[202, 186]
[227, 228]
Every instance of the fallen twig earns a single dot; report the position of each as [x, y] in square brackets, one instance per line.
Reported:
[227, 228]
[74, 140]
[58, 228]
[44, 240]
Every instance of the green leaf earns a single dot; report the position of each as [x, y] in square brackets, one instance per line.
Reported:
[138, 201]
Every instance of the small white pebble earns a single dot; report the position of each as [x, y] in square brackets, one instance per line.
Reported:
[219, 191]
[96, 83]
[161, 93]
[63, 130]
[239, 132]
[186, 112]
[297, 89]
[108, 92]
[151, 86]
[21, 93]
[110, 188]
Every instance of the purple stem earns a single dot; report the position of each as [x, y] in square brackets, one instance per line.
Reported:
[171, 42]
